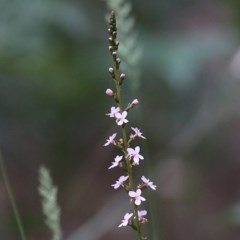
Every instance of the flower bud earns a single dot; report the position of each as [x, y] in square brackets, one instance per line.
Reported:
[135, 102]
[122, 76]
[118, 60]
[114, 34]
[109, 92]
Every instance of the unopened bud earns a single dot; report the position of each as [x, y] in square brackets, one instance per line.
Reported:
[122, 76]
[135, 102]
[109, 92]
[110, 70]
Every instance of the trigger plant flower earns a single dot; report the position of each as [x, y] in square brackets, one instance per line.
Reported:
[116, 162]
[137, 133]
[137, 196]
[134, 154]
[147, 183]
[130, 156]
[114, 111]
[126, 219]
[141, 214]
[120, 182]
[121, 118]
[111, 140]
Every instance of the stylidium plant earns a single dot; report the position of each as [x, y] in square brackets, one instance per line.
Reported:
[130, 156]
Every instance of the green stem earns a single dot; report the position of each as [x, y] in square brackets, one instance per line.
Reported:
[125, 146]
[118, 80]
[11, 198]
[139, 232]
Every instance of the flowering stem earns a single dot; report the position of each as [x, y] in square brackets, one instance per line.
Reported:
[131, 155]
[127, 159]
[118, 98]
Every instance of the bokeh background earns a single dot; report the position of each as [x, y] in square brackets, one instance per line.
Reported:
[53, 74]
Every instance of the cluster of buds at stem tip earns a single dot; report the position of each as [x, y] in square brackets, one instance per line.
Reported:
[129, 156]
[113, 48]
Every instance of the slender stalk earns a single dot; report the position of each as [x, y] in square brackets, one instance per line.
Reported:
[125, 145]
[117, 81]
[12, 199]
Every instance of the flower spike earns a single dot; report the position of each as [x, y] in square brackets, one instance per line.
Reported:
[130, 155]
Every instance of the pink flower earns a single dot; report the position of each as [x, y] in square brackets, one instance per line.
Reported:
[137, 196]
[109, 92]
[135, 154]
[111, 140]
[116, 162]
[147, 183]
[137, 133]
[141, 214]
[125, 221]
[114, 111]
[121, 118]
[119, 182]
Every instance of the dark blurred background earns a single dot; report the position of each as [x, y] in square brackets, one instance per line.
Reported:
[53, 74]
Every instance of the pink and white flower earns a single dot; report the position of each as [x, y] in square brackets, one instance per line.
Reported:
[137, 196]
[114, 111]
[111, 140]
[120, 182]
[116, 162]
[134, 154]
[126, 219]
[148, 183]
[141, 215]
[138, 133]
[121, 118]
